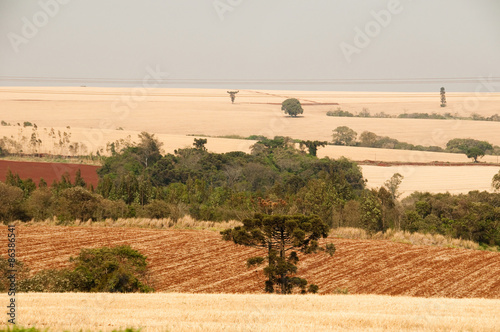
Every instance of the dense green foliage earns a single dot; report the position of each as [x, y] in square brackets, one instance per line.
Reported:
[312, 146]
[344, 135]
[276, 178]
[475, 216]
[472, 148]
[213, 186]
[119, 269]
[277, 234]
[292, 107]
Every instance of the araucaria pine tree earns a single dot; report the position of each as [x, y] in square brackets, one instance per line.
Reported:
[281, 236]
[443, 97]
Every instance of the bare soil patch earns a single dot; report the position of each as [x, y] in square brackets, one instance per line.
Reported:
[48, 171]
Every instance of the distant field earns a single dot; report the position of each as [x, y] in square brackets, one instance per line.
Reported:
[209, 111]
[452, 179]
[195, 261]
[254, 312]
[95, 114]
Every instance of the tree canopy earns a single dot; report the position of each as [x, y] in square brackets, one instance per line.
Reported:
[313, 146]
[344, 136]
[472, 148]
[292, 107]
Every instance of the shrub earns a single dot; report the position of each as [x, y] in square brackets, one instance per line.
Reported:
[119, 269]
[77, 203]
[5, 268]
[53, 281]
[340, 112]
[108, 209]
[341, 291]
[10, 203]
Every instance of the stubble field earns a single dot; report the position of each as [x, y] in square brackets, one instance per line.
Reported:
[255, 312]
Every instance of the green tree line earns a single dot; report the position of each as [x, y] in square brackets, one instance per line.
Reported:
[275, 178]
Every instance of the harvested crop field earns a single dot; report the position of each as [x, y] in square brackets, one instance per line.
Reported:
[209, 111]
[434, 179]
[48, 171]
[254, 312]
[200, 262]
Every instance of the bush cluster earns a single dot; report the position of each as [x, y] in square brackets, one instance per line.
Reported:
[119, 269]
[365, 113]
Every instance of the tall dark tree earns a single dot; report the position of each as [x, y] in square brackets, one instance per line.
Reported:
[313, 146]
[79, 181]
[443, 97]
[281, 236]
[199, 143]
[292, 107]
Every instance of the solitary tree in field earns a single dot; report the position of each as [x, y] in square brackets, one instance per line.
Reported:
[344, 136]
[472, 148]
[313, 146]
[232, 94]
[292, 107]
[443, 97]
[281, 236]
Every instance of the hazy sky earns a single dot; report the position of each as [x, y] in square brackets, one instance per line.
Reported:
[262, 44]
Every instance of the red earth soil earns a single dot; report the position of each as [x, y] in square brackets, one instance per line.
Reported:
[48, 171]
[200, 262]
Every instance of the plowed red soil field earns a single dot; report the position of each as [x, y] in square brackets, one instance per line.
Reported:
[200, 262]
[48, 171]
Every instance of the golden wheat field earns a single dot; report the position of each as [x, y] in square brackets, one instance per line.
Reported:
[254, 312]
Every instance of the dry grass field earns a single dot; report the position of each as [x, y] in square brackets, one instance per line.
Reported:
[254, 312]
[452, 179]
[197, 261]
[209, 111]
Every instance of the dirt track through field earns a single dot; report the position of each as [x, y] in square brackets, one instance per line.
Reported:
[200, 262]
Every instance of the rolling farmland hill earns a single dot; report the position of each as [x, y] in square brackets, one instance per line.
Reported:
[200, 262]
